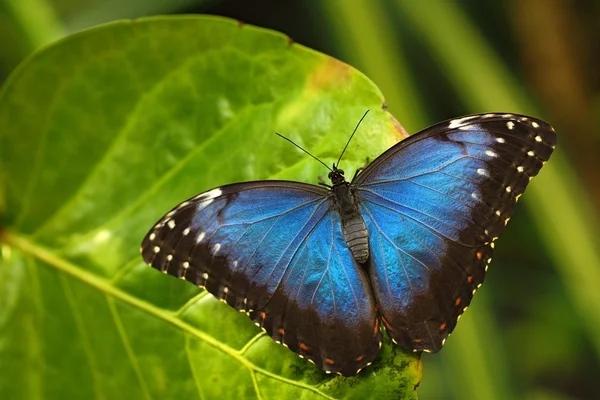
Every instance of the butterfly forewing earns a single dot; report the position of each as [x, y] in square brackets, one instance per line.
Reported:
[434, 204]
[275, 250]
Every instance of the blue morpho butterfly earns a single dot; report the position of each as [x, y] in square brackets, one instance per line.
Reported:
[406, 243]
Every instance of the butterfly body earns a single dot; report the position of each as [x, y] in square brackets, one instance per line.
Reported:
[353, 225]
[404, 245]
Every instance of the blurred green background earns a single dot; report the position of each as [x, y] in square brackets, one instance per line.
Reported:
[534, 331]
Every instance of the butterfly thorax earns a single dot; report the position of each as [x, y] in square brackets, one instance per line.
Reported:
[353, 226]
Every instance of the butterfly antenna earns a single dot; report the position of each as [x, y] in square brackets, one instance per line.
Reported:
[351, 136]
[289, 140]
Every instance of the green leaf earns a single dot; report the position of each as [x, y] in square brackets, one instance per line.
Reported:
[101, 134]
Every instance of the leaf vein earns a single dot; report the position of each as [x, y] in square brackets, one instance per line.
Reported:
[103, 285]
[130, 354]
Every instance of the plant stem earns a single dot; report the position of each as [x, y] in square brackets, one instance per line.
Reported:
[37, 20]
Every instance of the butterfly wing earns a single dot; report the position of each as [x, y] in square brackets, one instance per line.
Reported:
[433, 205]
[275, 250]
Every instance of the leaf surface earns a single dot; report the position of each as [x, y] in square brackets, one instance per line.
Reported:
[104, 132]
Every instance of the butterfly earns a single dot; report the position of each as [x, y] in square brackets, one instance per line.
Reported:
[404, 245]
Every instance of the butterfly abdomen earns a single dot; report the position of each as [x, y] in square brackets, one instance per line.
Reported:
[353, 225]
[357, 237]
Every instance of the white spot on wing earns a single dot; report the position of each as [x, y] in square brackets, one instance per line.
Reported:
[200, 237]
[530, 153]
[186, 265]
[508, 189]
[171, 224]
[216, 248]
[186, 231]
[156, 249]
[500, 140]
[152, 236]
[457, 123]
[520, 168]
[208, 197]
[535, 125]
[510, 125]
[482, 171]
[211, 194]
[205, 276]
[169, 257]
[491, 153]
[538, 138]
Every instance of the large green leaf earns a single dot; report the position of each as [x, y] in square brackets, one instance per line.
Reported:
[101, 134]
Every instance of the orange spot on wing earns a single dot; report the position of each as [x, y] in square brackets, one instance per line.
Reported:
[457, 302]
[376, 327]
[303, 347]
[263, 315]
[281, 331]
[479, 255]
[470, 278]
[417, 340]
[329, 361]
[387, 326]
[359, 358]
[442, 327]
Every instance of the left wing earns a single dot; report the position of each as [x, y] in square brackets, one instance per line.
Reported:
[275, 250]
[433, 205]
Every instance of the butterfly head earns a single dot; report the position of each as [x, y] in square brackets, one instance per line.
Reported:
[336, 176]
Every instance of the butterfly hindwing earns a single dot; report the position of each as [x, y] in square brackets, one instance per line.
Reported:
[275, 250]
[433, 205]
